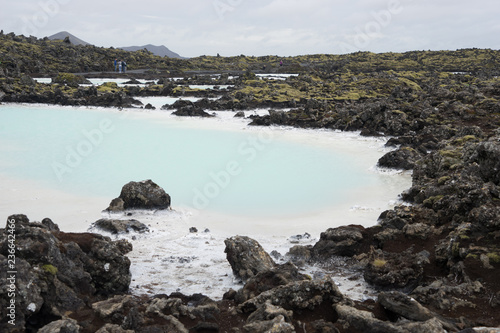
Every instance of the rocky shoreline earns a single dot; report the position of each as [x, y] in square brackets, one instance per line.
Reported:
[434, 262]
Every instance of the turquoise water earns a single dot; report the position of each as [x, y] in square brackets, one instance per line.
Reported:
[240, 172]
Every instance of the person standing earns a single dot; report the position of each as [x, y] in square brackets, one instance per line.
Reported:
[119, 66]
[124, 66]
[116, 65]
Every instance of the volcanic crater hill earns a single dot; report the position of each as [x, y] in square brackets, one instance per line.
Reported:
[435, 261]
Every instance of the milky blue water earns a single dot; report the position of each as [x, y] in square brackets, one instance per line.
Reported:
[239, 172]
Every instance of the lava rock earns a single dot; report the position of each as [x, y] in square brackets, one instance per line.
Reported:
[247, 257]
[342, 241]
[141, 195]
[120, 226]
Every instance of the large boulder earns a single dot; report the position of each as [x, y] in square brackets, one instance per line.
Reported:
[247, 257]
[141, 195]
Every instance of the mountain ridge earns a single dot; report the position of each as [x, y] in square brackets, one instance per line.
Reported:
[160, 50]
[72, 38]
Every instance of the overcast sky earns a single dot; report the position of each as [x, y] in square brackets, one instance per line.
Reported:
[264, 27]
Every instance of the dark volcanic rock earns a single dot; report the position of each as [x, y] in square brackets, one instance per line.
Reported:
[342, 241]
[401, 159]
[58, 272]
[487, 155]
[296, 296]
[188, 109]
[269, 279]
[404, 306]
[364, 321]
[141, 195]
[388, 270]
[120, 226]
[246, 257]
[191, 111]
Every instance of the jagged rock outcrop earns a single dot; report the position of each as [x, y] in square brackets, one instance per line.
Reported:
[57, 272]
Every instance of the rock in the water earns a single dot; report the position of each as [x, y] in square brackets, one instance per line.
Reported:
[189, 109]
[400, 159]
[121, 226]
[247, 257]
[141, 195]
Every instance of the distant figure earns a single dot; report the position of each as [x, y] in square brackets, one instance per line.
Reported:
[124, 66]
[119, 66]
[281, 63]
[116, 65]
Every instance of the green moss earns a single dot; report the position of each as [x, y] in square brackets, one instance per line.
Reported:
[494, 257]
[443, 180]
[50, 269]
[397, 112]
[455, 250]
[472, 256]
[108, 87]
[379, 263]
[429, 202]
[450, 153]
[461, 141]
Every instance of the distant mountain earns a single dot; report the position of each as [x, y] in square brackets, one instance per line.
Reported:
[73, 39]
[161, 51]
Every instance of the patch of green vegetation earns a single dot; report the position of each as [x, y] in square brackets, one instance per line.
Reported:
[494, 257]
[108, 87]
[379, 263]
[429, 202]
[443, 180]
[50, 269]
[463, 140]
[455, 250]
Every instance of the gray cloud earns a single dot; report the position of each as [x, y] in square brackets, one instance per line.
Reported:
[260, 27]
